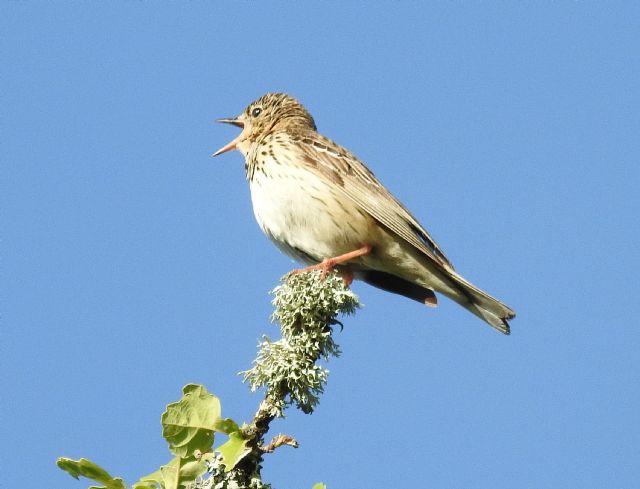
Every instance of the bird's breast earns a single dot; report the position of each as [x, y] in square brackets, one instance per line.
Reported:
[306, 216]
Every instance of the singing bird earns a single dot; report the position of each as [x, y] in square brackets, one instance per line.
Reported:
[324, 208]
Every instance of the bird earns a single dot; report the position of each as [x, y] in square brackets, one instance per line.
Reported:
[324, 208]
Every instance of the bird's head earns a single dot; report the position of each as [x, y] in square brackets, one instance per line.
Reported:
[270, 113]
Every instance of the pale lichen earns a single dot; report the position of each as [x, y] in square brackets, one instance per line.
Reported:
[306, 309]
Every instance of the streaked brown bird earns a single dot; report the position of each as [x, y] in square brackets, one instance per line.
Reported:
[323, 207]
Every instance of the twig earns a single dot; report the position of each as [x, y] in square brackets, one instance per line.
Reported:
[278, 441]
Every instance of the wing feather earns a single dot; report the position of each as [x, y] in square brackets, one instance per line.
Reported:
[358, 183]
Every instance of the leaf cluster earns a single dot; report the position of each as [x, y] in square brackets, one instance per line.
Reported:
[189, 427]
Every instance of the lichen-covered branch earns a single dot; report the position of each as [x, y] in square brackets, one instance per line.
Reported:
[306, 309]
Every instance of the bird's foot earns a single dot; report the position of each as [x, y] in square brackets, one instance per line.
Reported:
[327, 265]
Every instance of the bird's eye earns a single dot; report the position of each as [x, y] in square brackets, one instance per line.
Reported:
[256, 112]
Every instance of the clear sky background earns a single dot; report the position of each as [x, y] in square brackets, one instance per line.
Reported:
[132, 263]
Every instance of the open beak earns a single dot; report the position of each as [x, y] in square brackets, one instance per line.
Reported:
[232, 145]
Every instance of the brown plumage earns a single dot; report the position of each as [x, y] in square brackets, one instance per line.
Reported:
[322, 206]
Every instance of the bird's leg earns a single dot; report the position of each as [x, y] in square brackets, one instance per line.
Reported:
[328, 264]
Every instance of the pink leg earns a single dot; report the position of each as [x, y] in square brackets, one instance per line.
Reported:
[328, 265]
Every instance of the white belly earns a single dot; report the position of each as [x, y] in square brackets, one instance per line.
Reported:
[300, 212]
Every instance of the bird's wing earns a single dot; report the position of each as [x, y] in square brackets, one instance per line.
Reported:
[357, 182]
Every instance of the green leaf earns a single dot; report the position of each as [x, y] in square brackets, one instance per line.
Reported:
[176, 474]
[192, 470]
[319, 485]
[151, 481]
[170, 474]
[226, 426]
[234, 450]
[147, 485]
[86, 468]
[189, 424]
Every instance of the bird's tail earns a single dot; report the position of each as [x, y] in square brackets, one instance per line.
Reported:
[480, 303]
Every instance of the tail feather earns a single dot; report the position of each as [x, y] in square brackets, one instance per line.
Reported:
[478, 302]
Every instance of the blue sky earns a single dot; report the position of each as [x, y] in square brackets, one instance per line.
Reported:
[133, 265]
